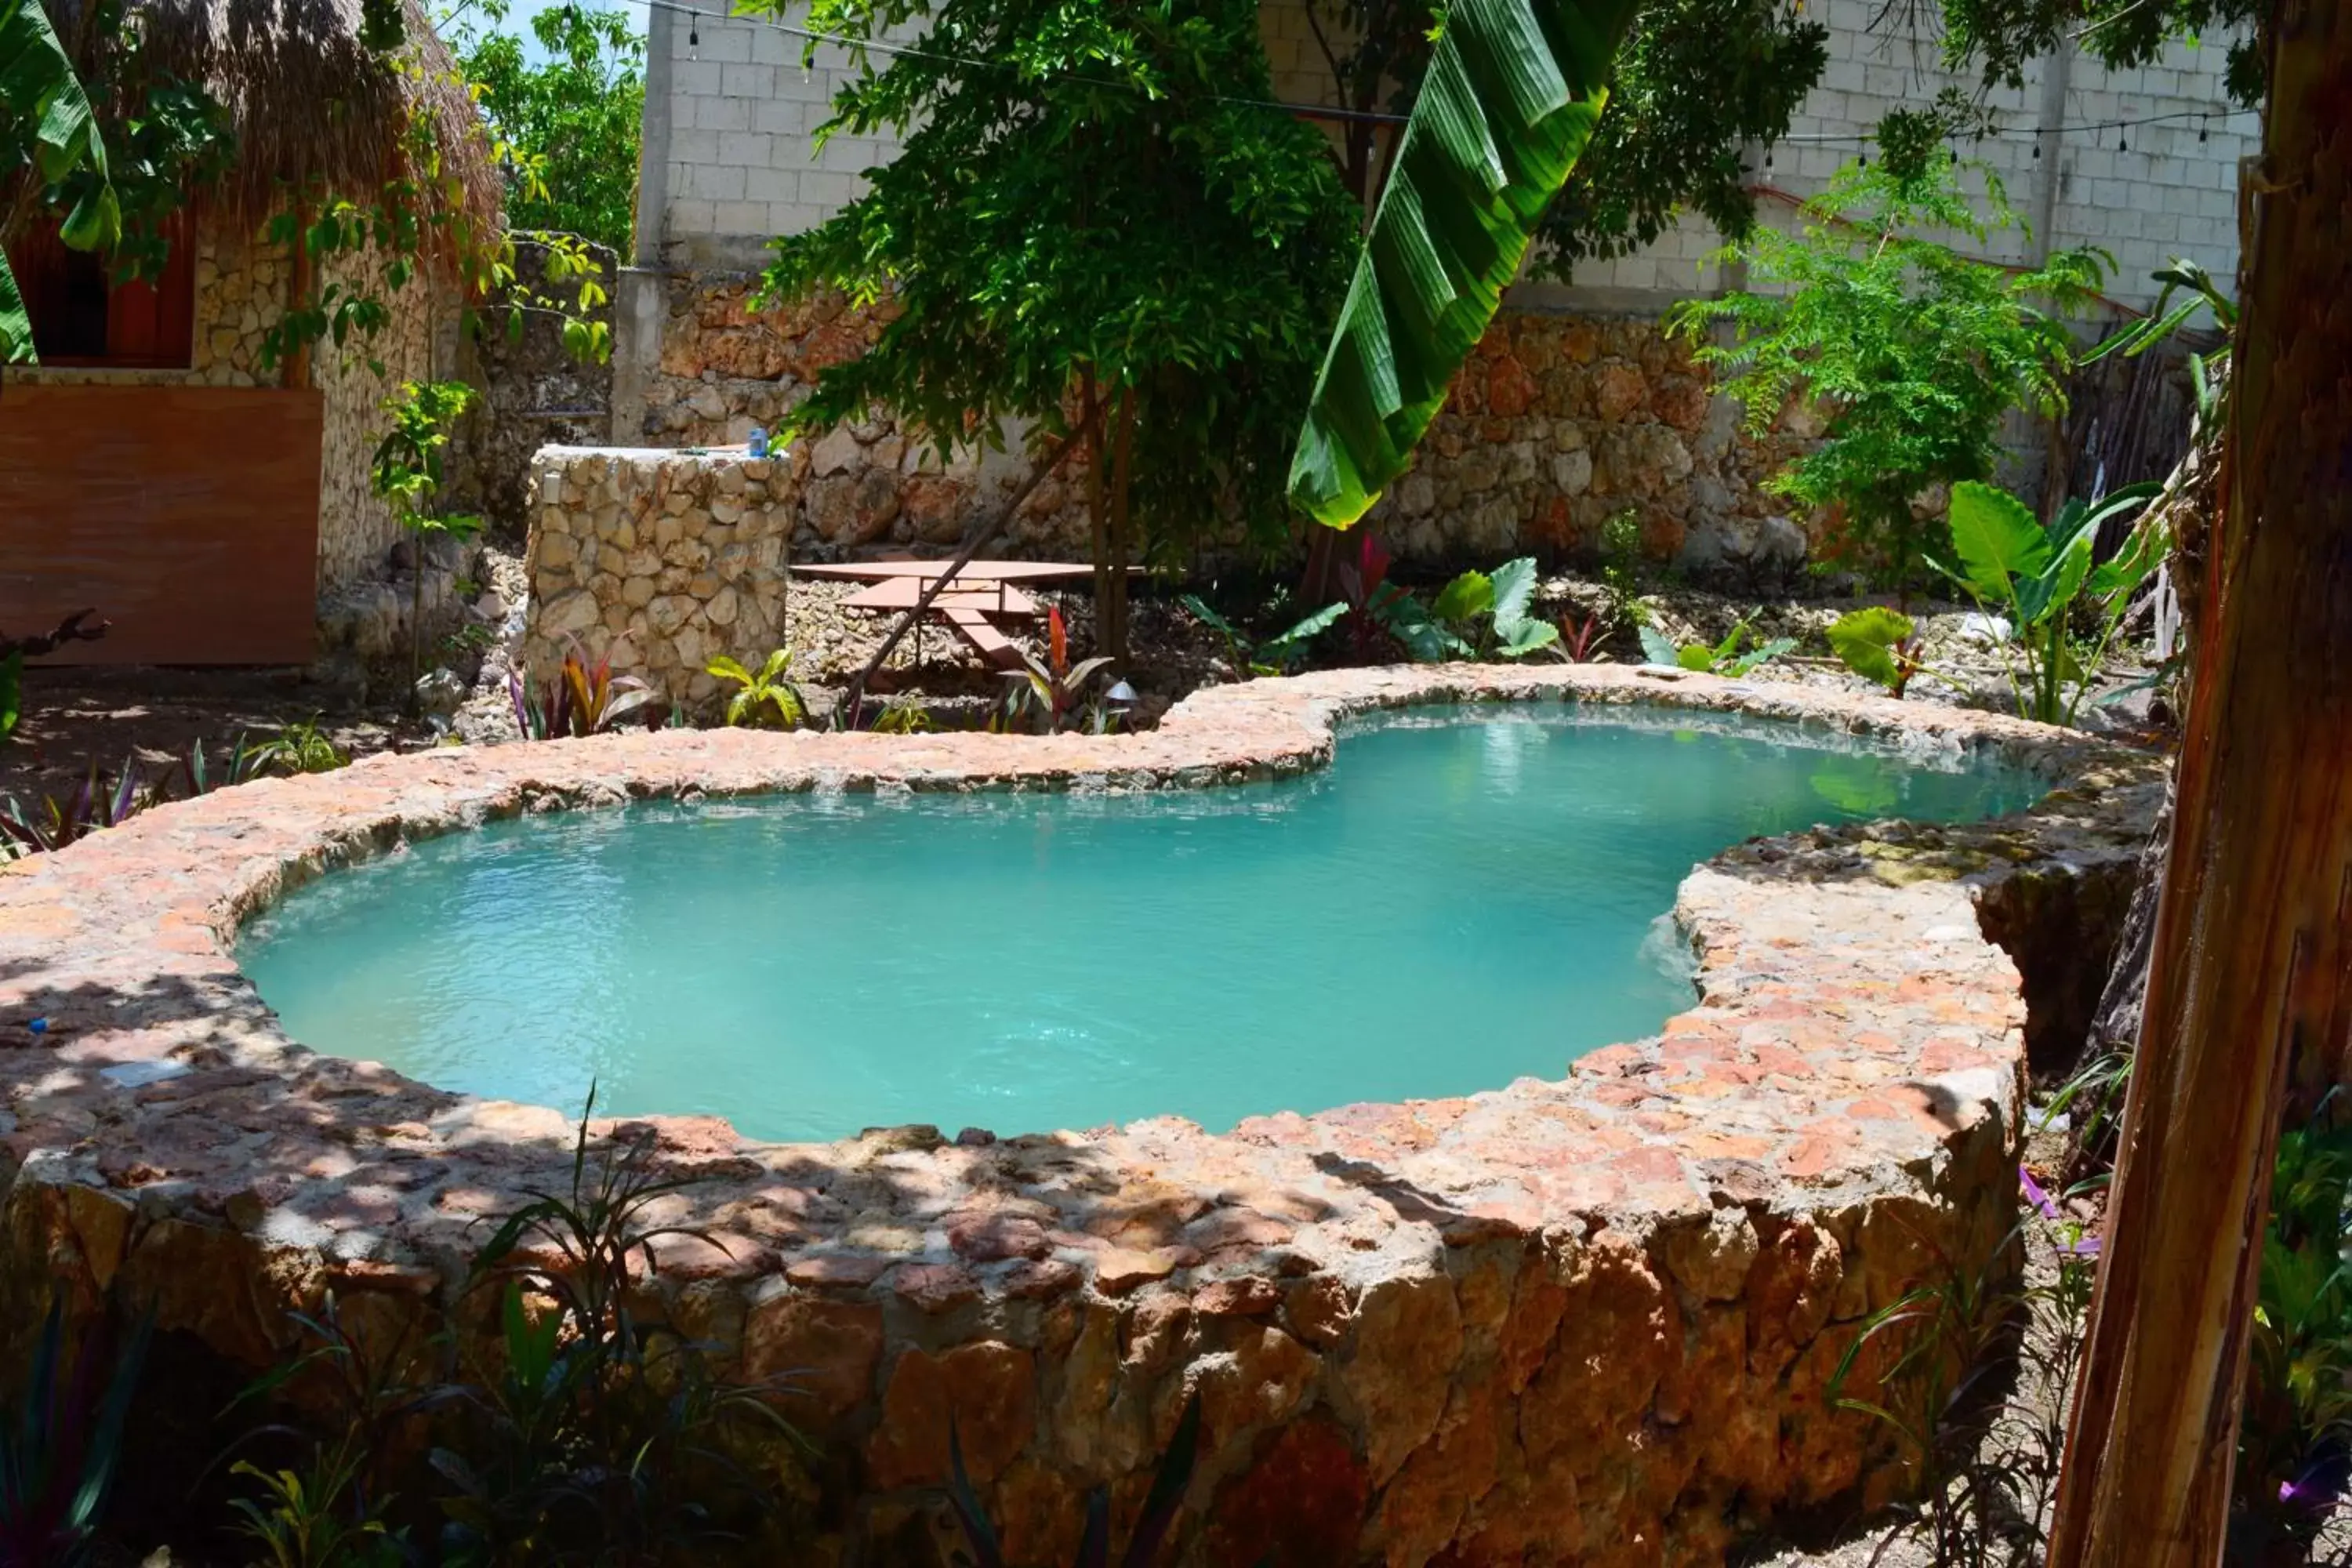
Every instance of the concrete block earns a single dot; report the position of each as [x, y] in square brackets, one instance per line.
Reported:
[748, 81]
[747, 149]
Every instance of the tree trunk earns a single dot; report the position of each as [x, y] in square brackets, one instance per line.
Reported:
[1114, 637]
[1097, 522]
[2250, 985]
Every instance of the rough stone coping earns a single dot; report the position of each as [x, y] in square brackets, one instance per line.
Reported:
[1856, 1044]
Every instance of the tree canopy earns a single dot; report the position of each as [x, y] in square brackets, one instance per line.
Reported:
[1090, 194]
[578, 112]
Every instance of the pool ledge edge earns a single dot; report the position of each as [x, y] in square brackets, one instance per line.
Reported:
[1417, 1328]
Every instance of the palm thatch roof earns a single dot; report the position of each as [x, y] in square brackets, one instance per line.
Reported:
[312, 105]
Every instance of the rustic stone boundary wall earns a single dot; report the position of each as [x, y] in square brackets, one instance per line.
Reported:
[1588, 1320]
[1556, 423]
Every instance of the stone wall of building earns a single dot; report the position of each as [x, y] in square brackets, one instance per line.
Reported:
[242, 288]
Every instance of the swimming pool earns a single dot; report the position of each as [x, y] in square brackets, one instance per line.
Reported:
[1461, 899]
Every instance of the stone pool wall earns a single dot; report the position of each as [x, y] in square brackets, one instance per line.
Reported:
[1587, 1320]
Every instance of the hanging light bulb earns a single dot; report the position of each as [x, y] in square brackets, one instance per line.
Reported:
[2202, 126]
[694, 34]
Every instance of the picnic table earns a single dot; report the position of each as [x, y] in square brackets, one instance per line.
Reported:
[981, 590]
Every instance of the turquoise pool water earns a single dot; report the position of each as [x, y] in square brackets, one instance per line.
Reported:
[1458, 902]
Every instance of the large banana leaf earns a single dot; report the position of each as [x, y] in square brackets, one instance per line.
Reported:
[37, 81]
[1514, 89]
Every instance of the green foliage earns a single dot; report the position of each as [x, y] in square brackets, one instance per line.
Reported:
[1511, 96]
[102, 802]
[760, 697]
[1696, 83]
[1277, 654]
[48, 133]
[305, 1518]
[1475, 616]
[600, 1434]
[1089, 207]
[366, 247]
[1915, 352]
[303, 747]
[2209, 374]
[2297, 1424]
[1999, 38]
[61, 1442]
[2012, 565]
[1969, 1373]
[407, 471]
[568, 126]
[1878, 644]
[1722, 659]
[904, 716]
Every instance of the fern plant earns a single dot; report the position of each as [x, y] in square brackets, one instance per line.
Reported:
[1915, 351]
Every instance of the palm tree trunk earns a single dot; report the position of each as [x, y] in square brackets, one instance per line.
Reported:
[2250, 986]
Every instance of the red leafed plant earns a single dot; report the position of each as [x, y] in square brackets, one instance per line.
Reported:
[1054, 686]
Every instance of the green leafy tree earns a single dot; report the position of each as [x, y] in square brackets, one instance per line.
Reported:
[576, 113]
[49, 134]
[1693, 83]
[1915, 351]
[1089, 235]
[407, 471]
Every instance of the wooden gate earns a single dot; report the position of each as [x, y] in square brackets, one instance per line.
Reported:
[188, 516]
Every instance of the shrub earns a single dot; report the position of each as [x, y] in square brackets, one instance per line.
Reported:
[1916, 351]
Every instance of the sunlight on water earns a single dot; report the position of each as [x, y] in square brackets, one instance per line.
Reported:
[1457, 902]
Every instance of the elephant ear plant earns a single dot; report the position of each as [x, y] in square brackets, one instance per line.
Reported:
[1720, 659]
[1476, 615]
[2032, 576]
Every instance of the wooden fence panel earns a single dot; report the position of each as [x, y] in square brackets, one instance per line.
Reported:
[187, 515]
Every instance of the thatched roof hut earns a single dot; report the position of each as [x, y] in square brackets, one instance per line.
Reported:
[312, 105]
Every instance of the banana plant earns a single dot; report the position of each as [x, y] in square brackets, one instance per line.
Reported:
[38, 85]
[2030, 576]
[1513, 91]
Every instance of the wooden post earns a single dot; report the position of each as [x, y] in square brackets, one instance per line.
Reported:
[2249, 988]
